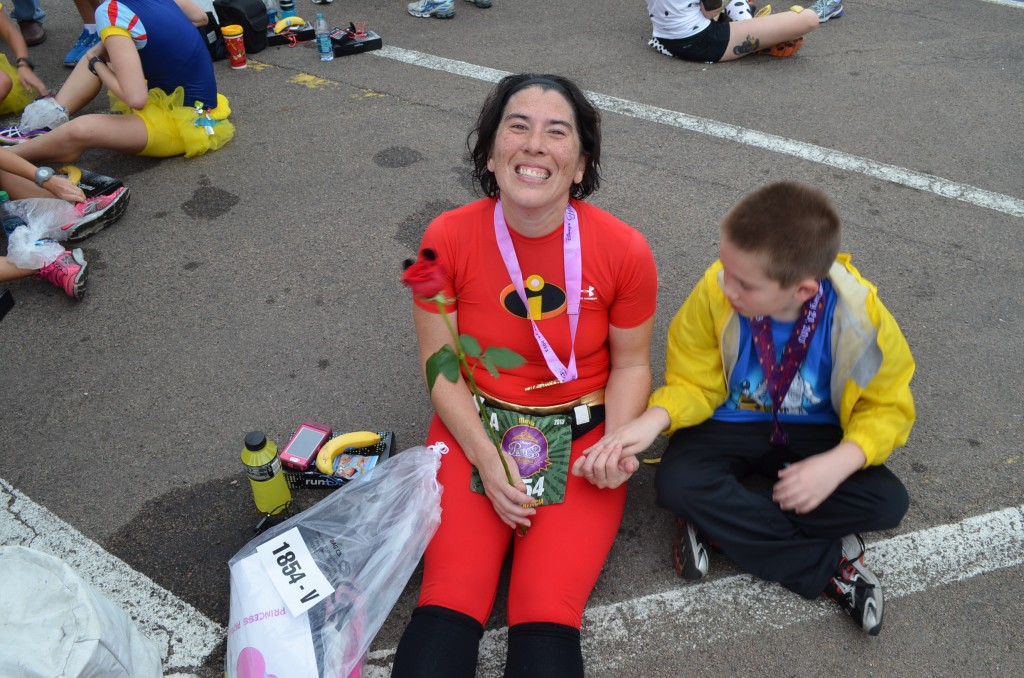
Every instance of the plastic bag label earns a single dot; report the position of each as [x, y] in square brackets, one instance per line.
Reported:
[293, 571]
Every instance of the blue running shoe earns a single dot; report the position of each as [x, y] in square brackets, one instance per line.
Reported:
[828, 9]
[85, 41]
[482, 4]
[442, 9]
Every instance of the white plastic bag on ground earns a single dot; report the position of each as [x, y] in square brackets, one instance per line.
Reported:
[33, 245]
[52, 623]
[366, 538]
[43, 113]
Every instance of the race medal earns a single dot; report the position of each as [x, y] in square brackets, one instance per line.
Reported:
[540, 446]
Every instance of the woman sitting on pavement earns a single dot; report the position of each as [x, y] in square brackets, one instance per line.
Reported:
[525, 268]
[21, 179]
[690, 30]
[158, 70]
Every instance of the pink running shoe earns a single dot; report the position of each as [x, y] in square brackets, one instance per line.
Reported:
[12, 136]
[97, 213]
[68, 272]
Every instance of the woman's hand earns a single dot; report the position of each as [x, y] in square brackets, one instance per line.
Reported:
[29, 80]
[612, 459]
[64, 189]
[508, 501]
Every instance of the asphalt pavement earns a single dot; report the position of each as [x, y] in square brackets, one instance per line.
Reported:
[257, 287]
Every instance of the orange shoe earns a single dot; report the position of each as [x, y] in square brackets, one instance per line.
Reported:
[783, 49]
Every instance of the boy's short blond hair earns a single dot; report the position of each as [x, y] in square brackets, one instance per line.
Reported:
[794, 225]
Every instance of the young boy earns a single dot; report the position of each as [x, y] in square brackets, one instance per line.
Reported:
[780, 302]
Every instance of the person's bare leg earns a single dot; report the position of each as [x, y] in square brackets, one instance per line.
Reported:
[9, 271]
[752, 35]
[87, 10]
[122, 133]
[80, 88]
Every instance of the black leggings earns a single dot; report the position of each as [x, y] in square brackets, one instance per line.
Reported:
[443, 643]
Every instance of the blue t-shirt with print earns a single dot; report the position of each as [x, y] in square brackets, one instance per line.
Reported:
[809, 399]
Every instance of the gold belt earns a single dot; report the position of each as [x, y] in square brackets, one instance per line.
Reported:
[593, 398]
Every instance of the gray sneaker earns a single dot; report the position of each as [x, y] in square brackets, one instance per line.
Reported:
[828, 9]
[856, 588]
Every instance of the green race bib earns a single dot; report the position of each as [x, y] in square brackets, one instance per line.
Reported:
[540, 446]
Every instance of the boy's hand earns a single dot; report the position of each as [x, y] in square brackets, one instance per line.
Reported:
[612, 459]
[803, 485]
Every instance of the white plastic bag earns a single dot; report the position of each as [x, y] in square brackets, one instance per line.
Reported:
[43, 113]
[366, 538]
[55, 624]
[33, 245]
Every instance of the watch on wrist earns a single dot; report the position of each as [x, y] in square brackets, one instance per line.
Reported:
[25, 61]
[92, 65]
[43, 174]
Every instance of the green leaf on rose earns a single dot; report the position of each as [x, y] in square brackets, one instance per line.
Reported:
[470, 345]
[496, 356]
[445, 362]
[503, 357]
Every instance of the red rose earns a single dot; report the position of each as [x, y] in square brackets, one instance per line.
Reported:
[425, 277]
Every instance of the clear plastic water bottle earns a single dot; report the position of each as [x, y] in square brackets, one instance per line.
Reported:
[287, 8]
[272, 11]
[323, 38]
[8, 218]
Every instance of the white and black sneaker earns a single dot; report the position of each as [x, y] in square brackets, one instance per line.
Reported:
[689, 551]
[856, 588]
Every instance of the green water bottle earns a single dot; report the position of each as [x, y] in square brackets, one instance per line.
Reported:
[262, 465]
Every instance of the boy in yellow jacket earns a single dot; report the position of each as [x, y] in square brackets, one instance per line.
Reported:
[784, 363]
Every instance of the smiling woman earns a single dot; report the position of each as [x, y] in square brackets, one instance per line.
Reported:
[572, 289]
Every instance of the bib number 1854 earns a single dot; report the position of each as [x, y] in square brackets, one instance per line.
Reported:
[293, 571]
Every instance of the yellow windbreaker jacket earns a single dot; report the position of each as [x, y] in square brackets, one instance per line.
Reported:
[872, 364]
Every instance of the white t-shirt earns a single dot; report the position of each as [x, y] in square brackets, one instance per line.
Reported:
[676, 18]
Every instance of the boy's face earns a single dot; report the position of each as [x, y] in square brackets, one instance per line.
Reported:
[752, 293]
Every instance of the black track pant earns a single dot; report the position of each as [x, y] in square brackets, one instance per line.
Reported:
[699, 479]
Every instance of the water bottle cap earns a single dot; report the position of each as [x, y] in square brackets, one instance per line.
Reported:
[255, 440]
[4, 197]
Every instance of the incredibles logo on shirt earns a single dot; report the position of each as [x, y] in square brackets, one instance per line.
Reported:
[544, 299]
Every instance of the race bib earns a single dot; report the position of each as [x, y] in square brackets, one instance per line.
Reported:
[540, 446]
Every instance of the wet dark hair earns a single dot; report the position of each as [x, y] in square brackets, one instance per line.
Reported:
[588, 126]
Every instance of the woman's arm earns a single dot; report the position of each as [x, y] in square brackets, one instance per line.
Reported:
[194, 13]
[120, 69]
[629, 385]
[12, 36]
[454, 404]
[19, 167]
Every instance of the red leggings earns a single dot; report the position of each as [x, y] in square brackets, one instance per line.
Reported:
[554, 567]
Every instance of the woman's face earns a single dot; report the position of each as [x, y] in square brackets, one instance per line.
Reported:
[536, 157]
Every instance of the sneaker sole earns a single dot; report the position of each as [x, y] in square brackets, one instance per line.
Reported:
[691, 571]
[102, 220]
[79, 289]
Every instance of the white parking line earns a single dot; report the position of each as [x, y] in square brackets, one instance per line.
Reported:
[741, 605]
[183, 634]
[770, 142]
[1007, 3]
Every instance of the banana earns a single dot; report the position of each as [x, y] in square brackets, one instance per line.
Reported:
[73, 174]
[337, 445]
[286, 23]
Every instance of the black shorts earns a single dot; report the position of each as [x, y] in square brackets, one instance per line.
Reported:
[708, 46]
